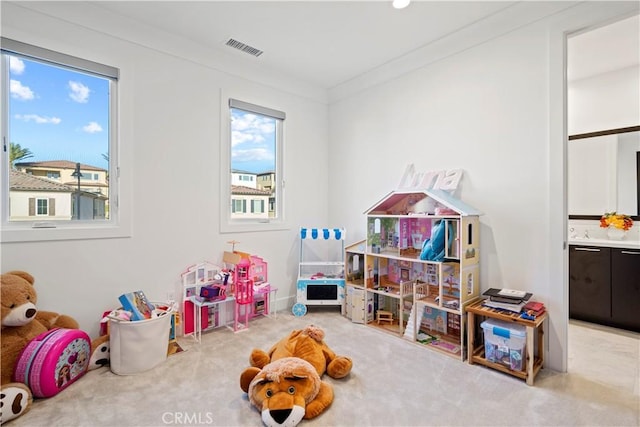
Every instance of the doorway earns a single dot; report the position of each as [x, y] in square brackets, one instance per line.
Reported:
[602, 72]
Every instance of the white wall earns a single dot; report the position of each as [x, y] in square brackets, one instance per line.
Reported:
[497, 112]
[606, 101]
[170, 125]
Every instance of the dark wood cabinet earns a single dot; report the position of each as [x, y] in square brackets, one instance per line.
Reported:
[625, 288]
[590, 283]
[604, 286]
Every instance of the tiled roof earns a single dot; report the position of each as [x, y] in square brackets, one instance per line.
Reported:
[242, 171]
[20, 181]
[74, 183]
[248, 191]
[58, 164]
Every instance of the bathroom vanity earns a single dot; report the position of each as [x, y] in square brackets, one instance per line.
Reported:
[604, 282]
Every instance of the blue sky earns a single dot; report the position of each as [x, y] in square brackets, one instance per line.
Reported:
[253, 142]
[58, 114]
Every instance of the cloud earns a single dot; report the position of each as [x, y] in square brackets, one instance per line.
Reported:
[79, 92]
[38, 119]
[92, 127]
[251, 128]
[246, 136]
[256, 154]
[16, 65]
[23, 93]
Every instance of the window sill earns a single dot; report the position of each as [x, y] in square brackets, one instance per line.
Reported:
[16, 234]
[252, 226]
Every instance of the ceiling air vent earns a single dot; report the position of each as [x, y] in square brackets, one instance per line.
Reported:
[244, 47]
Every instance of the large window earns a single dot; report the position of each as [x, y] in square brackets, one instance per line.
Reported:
[253, 168]
[59, 140]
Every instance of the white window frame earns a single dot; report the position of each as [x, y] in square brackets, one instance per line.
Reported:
[238, 225]
[120, 218]
[46, 206]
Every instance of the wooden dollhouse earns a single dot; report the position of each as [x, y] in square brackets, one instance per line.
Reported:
[419, 266]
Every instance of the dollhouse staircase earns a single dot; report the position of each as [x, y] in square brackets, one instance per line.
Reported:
[410, 330]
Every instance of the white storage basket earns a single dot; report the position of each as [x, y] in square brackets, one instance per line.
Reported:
[137, 346]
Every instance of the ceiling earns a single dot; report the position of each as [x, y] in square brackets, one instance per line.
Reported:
[325, 43]
[331, 43]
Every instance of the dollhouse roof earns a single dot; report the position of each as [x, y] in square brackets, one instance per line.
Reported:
[406, 202]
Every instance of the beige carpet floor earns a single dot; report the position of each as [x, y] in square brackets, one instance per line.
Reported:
[393, 383]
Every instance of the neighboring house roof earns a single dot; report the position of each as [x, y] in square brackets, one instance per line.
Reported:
[242, 171]
[20, 181]
[74, 183]
[58, 164]
[248, 191]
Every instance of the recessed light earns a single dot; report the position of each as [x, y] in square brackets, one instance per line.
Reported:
[401, 4]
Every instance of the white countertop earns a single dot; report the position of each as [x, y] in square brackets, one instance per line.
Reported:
[630, 244]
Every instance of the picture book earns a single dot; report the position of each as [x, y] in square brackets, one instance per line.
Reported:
[534, 305]
[138, 304]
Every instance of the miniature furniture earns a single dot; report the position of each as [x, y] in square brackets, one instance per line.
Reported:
[262, 289]
[193, 279]
[534, 339]
[321, 269]
[243, 294]
[358, 303]
[384, 316]
[211, 314]
[426, 297]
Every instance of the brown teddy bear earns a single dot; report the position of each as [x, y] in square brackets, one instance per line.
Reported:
[285, 384]
[21, 322]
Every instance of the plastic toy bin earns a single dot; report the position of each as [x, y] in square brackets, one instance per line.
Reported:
[137, 346]
[504, 343]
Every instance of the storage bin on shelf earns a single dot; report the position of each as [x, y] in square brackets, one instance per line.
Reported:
[137, 346]
[504, 343]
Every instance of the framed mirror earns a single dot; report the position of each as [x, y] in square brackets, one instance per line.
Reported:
[604, 173]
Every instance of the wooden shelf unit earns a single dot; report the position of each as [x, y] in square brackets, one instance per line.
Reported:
[534, 339]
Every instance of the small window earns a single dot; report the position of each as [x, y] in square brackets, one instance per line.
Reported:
[252, 168]
[239, 206]
[42, 207]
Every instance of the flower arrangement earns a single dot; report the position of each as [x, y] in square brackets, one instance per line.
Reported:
[616, 220]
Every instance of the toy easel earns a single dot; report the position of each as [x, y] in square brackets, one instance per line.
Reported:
[243, 287]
